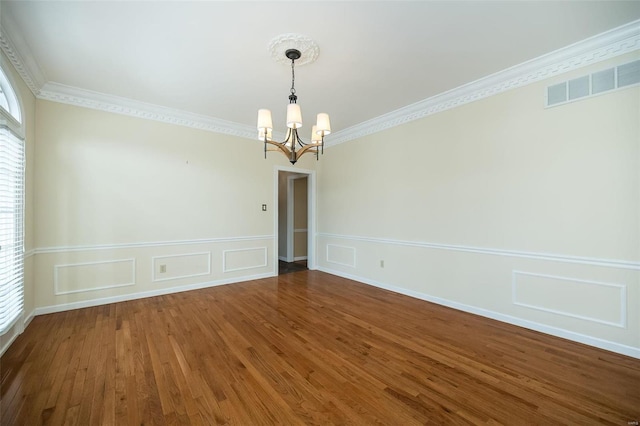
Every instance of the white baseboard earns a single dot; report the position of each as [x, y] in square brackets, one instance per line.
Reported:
[8, 343]
[553, 331]
[29, 318]
[295, 259]
[141, 295]
[27, 321]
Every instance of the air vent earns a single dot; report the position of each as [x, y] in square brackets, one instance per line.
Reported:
[603, 80]
[593, 84]
[629, 74]
[557, 94]
[579, 88]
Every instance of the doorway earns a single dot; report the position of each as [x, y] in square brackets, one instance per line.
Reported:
[295, 220]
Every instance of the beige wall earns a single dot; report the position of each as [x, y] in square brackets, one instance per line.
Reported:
[129, 207]
[106, 178]
[485, 207]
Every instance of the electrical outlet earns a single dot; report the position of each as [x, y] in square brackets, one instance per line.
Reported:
[163, 269]
[382, 263]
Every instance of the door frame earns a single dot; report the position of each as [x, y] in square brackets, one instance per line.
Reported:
[311, 214]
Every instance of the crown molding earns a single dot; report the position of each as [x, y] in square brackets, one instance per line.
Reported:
[616, 42]
[88, 99]
[16, 49]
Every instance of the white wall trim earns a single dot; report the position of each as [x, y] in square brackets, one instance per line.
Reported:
[29, 253]
[558, 332]
[592, 261]
[29, 318]
[14, 46]
[26, 322]
[612, 43]
[607, 45]
[57, 291]
[295, 259]
[244, 268]
[56, 92]
[141, 295]
[60, 249]
[177, 277]
[8, 343]
[622, 322]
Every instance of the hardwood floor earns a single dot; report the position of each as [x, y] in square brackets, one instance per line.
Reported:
[288, 267]
[304, 348]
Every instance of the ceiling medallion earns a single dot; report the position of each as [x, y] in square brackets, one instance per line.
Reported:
[293, 147]
[308, 48]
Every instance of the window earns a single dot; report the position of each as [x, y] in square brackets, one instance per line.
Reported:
[8, 99]
[11, 228]
[12, 164]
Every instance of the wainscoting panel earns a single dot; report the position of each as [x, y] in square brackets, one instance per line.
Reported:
[587, 300]
[590, 300]
[243, 259]
[90, 276]
[341, 255]
[175, 266]
[72, 277]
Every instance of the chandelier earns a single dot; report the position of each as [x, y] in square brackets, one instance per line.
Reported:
[293, 147]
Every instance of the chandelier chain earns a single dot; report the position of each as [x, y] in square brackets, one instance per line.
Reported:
[293, 77]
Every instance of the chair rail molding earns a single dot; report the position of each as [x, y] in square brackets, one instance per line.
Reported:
[61, 249]
[609, 263]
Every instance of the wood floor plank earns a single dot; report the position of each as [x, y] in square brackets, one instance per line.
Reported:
[304, 348]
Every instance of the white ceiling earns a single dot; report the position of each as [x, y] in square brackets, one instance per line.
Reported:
[211, 58]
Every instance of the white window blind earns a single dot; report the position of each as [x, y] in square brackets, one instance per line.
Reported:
[11, 229]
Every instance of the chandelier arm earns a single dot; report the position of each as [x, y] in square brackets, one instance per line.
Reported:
[302, 142]
[286, 139]
[308, 148]
[283, 148]
[280, 146]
